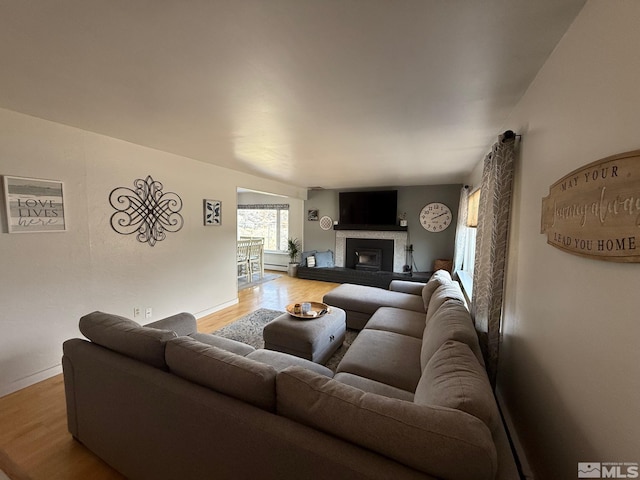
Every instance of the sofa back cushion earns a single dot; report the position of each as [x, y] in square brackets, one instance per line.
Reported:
[446, 291]
[439, 278]
[453, 378]
[433, 440]
[225, 372]
[452, 321]
[127, 337]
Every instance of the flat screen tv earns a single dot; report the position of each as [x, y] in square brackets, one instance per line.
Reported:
[368, 208]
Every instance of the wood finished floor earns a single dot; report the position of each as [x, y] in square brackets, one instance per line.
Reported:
[34, 441]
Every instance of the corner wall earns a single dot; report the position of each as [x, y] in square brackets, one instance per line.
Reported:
[49, 280]
[569, 367]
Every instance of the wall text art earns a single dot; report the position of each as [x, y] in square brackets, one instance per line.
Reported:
[594, 211]
[34, 205]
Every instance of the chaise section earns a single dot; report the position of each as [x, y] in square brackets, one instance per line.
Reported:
[360, 302]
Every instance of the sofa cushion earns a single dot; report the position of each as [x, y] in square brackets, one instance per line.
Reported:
[407, 286]
[373, 386]
[127, 337]
[453, 378]
[181, 323]
[224, 343]
[225, 372]
[397, 320]
[452, 321]
[365, 299]
[441, 442]
[280, 361]
[385, 357]
[446, 291]
[439, 278]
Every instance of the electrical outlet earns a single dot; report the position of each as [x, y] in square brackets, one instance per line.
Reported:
[137, 311]
[148, 312]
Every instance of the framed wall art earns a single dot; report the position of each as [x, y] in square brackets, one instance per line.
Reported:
[212, 212]
[312, 215]
[34, 205]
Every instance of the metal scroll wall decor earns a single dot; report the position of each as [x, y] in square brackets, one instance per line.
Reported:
[146, 210]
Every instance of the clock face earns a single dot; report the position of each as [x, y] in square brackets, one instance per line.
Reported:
[435, 217]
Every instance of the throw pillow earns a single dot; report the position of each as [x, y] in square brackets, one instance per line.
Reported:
[311, 261]
[305, 255]
[324, 259]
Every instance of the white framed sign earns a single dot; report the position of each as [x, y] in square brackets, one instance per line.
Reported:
[34, 205]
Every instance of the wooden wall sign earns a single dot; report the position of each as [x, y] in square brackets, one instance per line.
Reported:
[595, 210]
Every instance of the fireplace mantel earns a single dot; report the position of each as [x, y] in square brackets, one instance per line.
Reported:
[399, 244]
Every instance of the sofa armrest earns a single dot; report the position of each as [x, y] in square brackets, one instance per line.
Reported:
[405, 286]
[181, 323]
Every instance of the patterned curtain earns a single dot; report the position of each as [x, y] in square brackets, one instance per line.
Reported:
[461, 230]
[491, 248]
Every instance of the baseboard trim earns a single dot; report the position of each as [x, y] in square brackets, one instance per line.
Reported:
[31, 380]
[521, 458]
[215, 309]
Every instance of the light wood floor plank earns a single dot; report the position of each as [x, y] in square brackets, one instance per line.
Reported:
[34, 441]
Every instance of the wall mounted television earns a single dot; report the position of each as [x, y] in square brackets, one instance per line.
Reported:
[378, 207]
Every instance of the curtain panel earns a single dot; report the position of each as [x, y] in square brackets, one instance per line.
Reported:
[461, 230]
[491, 248]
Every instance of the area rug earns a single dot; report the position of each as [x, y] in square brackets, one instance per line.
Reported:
[248, 329]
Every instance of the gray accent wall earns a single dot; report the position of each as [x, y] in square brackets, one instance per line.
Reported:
[427, 246]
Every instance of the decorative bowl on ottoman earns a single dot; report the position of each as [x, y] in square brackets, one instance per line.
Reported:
[312, 310]
[314, 340]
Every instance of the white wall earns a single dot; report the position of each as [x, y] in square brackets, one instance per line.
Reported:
[49, 280]
[570, 359]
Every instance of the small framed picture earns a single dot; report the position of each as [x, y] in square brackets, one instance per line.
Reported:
[212, 212]
[312, 215]
[34, 205]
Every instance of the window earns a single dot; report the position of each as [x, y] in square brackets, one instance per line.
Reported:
[268, 221]
[469, 253]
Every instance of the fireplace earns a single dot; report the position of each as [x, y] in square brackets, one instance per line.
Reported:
[396, 256]
[369, 259]
[371, 254]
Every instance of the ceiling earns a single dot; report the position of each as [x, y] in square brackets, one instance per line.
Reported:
[314, 93]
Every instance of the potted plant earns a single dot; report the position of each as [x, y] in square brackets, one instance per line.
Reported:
[403, 219]
[293, 248]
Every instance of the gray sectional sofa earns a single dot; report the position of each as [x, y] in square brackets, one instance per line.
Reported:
[410, 400]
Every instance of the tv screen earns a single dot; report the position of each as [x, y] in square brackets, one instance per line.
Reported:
[368, 208]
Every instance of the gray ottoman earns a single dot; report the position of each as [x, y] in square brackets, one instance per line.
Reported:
[315, 340]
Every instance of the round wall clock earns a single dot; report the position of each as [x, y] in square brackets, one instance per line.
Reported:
[435, 217]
